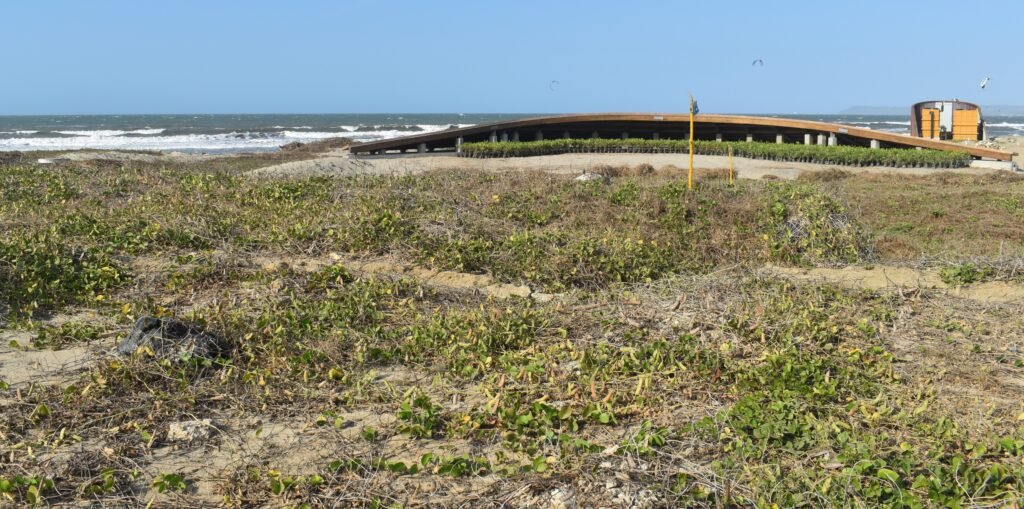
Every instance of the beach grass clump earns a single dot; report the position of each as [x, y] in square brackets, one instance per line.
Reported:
[812, 227]
[963, 274]
[837, 155]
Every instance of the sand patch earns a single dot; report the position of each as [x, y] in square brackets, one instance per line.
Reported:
[880, 277]
[458, 281]
[21, 364]
[331, 164]
[568, 164]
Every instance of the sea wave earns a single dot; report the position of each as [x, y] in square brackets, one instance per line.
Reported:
[191, 142]
[309, 135]
[406, 128]
[1015, 125]
[884, 122]
[235, 141]
[99, 133]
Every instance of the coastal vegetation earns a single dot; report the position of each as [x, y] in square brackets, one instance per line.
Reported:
[654, 360]
[839, 155]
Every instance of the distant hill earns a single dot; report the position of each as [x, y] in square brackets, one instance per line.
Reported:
[991, 110]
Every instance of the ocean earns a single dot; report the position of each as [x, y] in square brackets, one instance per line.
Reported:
[263, 133]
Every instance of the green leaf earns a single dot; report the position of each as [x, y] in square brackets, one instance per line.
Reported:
[32, 495]
[540, 464]
[888, 475]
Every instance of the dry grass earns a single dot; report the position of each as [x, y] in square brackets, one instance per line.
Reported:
[945, 215]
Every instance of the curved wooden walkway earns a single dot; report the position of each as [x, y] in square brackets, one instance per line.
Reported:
[667, 126]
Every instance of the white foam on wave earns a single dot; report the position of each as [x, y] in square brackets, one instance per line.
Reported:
[221, 142]
[99, 133]
[190, 142]
[1015, 125]
[311, 135]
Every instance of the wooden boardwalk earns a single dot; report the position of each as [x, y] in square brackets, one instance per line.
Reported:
[667, 126]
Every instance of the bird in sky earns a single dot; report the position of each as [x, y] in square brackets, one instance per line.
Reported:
[984, 82]
[553, 85]
[757, 62]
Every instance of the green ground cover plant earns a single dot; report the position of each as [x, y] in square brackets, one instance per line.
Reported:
[838, 155]
[670, 370]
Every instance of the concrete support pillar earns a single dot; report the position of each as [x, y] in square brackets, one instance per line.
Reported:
[656, 136]
[565, 134]
[515, 135]
[832, 140]
[595, 135]
[821, 139]
[494, 136]
[625, 135]
[807, 139]
[750, 138]
[780, 139]
[718, 137]
[504, 136]
[458, 145]
[540, 136]
[421, 148]
[876, 144]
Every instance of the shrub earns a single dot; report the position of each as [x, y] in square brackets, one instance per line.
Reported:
[963, 274]
[848, 156]
[806, 226]
[40, 271]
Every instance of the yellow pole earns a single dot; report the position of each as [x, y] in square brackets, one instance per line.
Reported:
[730, 166]
[689, 181]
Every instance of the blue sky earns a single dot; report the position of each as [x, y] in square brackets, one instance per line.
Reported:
[75, 57]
